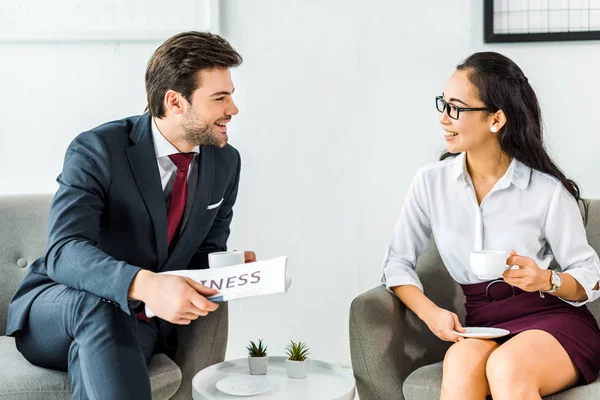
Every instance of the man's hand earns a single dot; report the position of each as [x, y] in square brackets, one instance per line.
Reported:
[175, 299]
[529, 277]
[249, 257]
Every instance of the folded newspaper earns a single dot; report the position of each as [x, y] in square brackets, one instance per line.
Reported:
[240, 281]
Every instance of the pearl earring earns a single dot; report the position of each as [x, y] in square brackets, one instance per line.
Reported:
[493, 129]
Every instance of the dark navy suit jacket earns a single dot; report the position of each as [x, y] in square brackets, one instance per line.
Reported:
[108, 218]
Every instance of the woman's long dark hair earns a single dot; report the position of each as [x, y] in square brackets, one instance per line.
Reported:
[501, 85]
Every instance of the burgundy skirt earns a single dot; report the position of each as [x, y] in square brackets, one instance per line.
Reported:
[503, 306]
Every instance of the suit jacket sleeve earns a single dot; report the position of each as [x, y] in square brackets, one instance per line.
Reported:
[72, 257]
[216, 239]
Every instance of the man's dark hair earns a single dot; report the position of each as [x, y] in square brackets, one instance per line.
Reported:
[176, 63]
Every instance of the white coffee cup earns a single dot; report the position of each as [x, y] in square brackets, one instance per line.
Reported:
[489, 264]
[225, 258]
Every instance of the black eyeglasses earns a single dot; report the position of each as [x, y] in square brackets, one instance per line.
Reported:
[452, 110]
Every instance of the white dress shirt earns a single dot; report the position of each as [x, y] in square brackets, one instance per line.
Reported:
[168, 171]
[526, 210]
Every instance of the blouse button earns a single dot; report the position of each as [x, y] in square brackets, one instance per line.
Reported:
[21, 263]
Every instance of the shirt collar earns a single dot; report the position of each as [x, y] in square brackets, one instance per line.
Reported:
[520, 174]
[517, 173]
[162, 147]
[459, 168]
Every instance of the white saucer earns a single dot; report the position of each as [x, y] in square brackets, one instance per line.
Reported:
[244, 385]
[483, 333]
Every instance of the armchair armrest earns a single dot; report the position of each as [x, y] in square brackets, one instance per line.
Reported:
[376, 345]
[200, 344]
[388, 341]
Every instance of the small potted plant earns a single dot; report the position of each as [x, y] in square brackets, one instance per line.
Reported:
[257, 358]
[296, 363]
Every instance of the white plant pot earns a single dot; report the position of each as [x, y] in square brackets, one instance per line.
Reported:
[258, 365]
[296, 369]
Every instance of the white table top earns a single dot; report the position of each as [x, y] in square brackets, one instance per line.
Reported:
[323, 381]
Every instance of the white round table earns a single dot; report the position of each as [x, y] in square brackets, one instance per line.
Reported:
[323, 381]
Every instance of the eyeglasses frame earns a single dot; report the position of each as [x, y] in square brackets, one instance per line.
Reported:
[458, 109]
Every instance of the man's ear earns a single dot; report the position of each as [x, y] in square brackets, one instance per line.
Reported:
[173, 102]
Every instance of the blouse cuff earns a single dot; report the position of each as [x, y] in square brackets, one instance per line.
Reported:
[588, 280]
[400, 281]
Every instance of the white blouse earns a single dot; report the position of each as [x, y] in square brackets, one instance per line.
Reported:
[526, 210]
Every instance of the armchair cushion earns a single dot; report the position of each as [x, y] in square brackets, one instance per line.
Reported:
[21, 380]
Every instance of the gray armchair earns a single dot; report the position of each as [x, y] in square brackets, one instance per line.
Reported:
[394, 354]
[23, 225]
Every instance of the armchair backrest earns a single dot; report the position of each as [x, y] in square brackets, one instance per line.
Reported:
[23, 232]
[592, 229]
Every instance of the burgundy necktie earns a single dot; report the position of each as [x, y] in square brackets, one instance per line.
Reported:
[179, 194]
[178, 200]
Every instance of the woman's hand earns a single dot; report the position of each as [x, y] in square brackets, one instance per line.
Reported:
[442, 323]
[529, 277]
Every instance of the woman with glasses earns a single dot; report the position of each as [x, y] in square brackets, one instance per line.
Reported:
[496, 188]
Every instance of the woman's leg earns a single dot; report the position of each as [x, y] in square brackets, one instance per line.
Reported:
[464, 370]
[530, 365]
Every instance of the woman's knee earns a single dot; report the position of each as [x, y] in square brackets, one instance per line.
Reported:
[456, 356]
[470, 352]
[464, 370]
[506, 369]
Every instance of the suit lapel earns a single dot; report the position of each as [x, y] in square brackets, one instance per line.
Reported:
[206, 176]
[142, 160]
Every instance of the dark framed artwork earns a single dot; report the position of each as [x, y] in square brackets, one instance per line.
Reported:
[541, 20]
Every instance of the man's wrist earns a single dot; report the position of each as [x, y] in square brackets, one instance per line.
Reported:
[139, 284]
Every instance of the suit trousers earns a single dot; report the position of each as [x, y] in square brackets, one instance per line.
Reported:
[104, 350]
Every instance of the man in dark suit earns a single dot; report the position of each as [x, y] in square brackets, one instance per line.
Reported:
[142, 195]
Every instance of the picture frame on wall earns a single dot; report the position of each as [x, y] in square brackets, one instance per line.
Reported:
[510, 21]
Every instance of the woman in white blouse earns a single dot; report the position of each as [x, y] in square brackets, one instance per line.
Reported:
[497, 189]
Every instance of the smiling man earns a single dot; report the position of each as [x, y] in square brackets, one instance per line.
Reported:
[142, 195]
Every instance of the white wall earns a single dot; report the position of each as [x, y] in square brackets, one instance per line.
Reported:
[337, 113]
[50, 92]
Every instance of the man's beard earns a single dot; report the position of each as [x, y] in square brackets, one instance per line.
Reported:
[197, 133]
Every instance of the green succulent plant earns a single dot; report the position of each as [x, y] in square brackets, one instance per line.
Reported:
[297, 351]
[255, 350]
